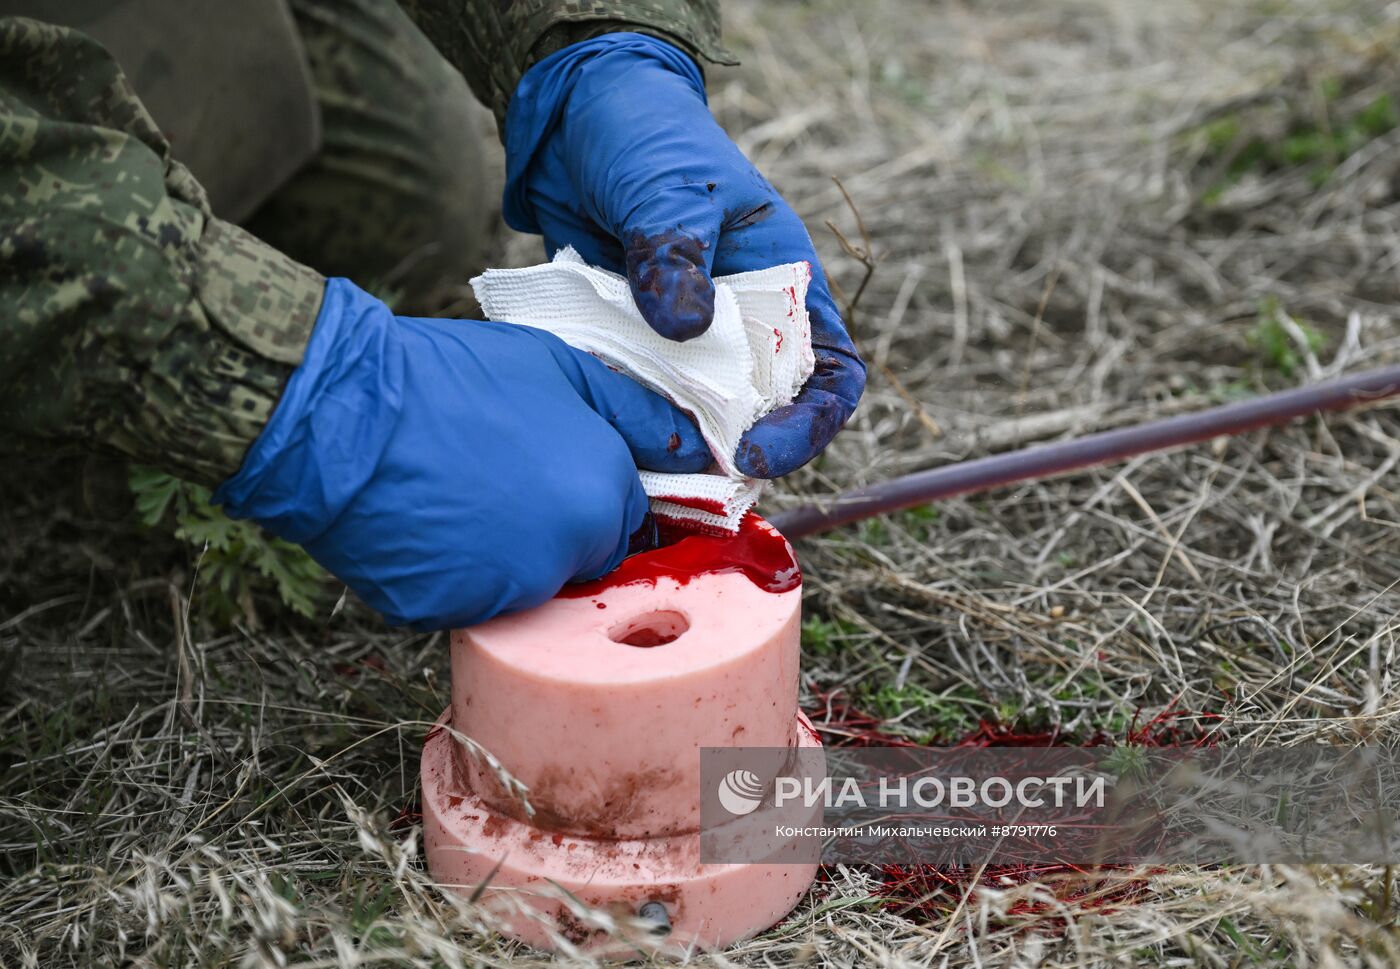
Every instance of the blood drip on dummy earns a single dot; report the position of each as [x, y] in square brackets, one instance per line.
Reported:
[758, 552]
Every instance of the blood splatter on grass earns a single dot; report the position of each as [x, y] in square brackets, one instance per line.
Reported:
[841, 724]
[929, 894]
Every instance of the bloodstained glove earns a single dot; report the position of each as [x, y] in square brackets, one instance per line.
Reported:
[611, 148]
[451, 470]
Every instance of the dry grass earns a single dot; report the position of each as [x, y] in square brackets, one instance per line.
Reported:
[1057, 253]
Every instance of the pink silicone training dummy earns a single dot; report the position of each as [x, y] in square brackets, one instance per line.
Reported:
[598, 703]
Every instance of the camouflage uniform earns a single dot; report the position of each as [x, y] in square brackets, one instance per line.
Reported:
[134, 319]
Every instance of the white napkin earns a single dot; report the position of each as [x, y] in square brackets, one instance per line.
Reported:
[754, 357]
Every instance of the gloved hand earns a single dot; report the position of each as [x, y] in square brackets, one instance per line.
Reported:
[611, 148]
[451, 470]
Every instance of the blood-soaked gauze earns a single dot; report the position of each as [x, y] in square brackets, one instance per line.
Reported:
[755, 357]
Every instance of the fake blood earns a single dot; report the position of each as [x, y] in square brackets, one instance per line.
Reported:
[712, 505]
[758, 552]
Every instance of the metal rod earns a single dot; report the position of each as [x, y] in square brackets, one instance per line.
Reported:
[1045, 460]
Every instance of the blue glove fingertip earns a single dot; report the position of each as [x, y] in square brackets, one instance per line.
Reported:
[791, 436]
[670, 283]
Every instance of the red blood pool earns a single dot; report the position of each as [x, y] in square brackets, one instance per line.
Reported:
[758, 552]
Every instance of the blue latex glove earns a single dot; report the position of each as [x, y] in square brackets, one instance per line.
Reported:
[611, 148]
[451, 470]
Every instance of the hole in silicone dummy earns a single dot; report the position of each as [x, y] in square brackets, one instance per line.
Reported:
[655, 628]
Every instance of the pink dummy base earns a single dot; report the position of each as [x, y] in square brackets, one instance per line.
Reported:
[709, 906]
[598, 703]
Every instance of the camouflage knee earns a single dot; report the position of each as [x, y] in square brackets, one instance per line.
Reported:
[404, 196]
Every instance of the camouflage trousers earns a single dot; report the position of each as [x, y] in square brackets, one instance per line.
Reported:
[133, 319]
[403, 196]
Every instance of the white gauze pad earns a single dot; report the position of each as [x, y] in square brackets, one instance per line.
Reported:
[755, 357]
